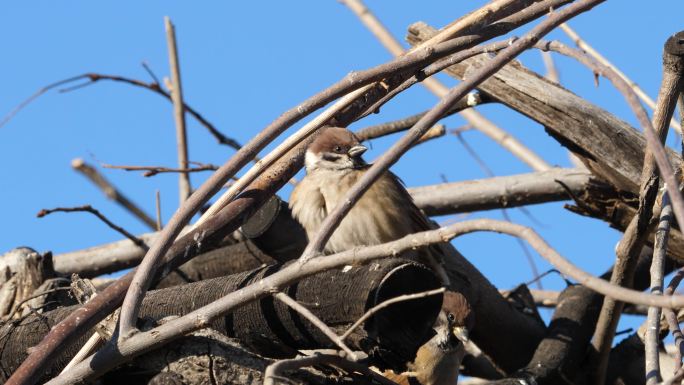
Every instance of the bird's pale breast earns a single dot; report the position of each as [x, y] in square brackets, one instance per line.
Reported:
[378, 217]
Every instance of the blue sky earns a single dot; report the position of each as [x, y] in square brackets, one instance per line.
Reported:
[243, 64]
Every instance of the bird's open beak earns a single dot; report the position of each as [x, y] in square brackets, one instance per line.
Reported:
[461, 333]
[357, 150]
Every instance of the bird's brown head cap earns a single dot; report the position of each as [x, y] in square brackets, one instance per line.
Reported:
[335, 148]
[458, 310]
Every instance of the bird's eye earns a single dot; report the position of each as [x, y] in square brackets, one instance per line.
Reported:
[451, 317]
[338, 149]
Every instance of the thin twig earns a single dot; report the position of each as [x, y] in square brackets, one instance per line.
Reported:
[296, 306]
[33, 296]
[154, 170]
[551, 70]
[149, 71]
[582, 44]
[383, 129]
[111, 191]
[88, 208]
[92, 78]
[94, 342]
[386, 303]
[652, 340]
[33, 97]
[184, 187]
[157, 205]
[670, 316]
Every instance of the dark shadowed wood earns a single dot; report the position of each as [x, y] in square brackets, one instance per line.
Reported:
[270, 327]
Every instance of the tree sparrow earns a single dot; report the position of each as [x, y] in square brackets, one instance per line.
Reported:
[386, 211]
[438, 361]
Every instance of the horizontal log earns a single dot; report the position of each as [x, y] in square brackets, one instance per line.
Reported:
[102, 259]
[391, 338]
[263, 230]
[501, 192]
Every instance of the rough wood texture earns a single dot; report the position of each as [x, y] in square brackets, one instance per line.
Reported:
[24, 274]
[560, 355]
[610, 148]
[270, 327]
[208, 357]
[227, 260]
[501, 192]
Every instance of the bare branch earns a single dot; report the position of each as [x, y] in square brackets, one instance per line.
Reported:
[87, 208]
[380, 130]
[157, 200]
[582, 44]
[652, 340]
[306, 313]
[111, 191]
[154, 170]
[384, 304]
[184, 187]
[33, 97]
[551, 71]
[154, 87]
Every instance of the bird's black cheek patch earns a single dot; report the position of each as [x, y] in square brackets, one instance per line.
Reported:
[330, 157]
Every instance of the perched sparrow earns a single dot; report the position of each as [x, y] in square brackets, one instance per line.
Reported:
[386, 211]
[438, 361]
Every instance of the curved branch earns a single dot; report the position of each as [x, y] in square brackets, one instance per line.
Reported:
[142, 342]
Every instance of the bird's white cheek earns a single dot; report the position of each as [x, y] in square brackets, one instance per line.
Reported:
[311, 160]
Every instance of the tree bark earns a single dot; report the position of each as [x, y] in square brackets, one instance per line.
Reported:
[269, 327]
[609, 147]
